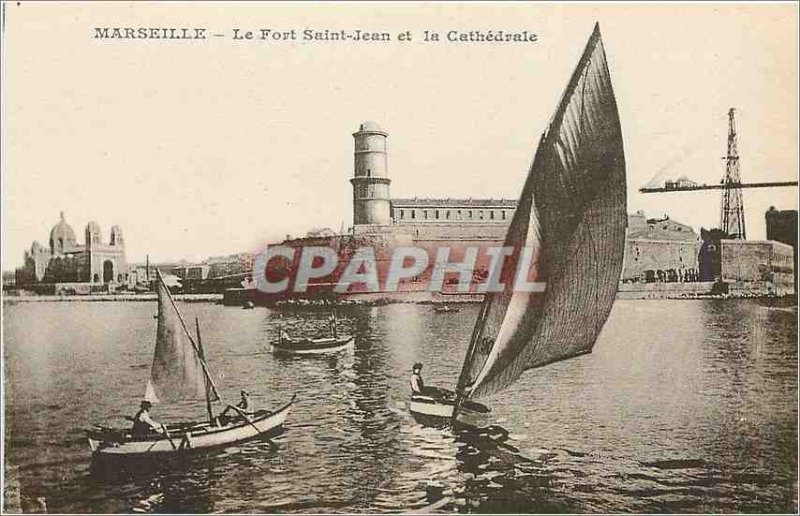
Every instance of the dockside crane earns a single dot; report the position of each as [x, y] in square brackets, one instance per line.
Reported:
[732, 206]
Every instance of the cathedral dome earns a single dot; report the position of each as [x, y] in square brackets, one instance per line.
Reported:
[62, 236]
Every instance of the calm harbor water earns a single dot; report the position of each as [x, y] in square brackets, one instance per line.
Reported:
[684, 406]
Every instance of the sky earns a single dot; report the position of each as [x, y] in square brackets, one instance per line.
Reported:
[205, 148]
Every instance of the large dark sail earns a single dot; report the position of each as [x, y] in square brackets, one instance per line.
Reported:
[572, 216]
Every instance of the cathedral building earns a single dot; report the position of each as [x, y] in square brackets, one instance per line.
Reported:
[66, 261]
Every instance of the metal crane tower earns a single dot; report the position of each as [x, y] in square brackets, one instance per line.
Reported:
[731, 219]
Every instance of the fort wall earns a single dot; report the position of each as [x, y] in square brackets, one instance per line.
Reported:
[758, 267]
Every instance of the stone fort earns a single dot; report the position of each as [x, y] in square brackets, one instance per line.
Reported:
[656, 249]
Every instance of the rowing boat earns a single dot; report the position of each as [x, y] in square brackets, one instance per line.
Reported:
[180, 372]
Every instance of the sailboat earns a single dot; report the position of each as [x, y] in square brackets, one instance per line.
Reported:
[572, 211]
[306, 346]
[180, 372]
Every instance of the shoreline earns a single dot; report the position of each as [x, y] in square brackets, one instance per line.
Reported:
[218, 298]
[188, 298]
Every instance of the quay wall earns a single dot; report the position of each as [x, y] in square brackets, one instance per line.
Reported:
[758, 267]
[647, 257]
[664, 290]
[151, 296]
[637, 291]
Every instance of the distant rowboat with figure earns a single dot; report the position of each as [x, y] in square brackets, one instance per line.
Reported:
[180, 372]
[287, 345]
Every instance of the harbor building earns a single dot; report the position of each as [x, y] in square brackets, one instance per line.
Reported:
[66, 263]
[782, 227]
[657, 250]
[746, 267]
[660, 250]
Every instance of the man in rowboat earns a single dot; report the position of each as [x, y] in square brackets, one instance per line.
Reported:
[143, 424]
[245, 405]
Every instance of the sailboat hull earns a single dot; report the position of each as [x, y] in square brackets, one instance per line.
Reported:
[437, 411]
[311, 346]
[201, 436]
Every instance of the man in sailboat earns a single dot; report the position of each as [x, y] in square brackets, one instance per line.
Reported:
[418, 384]
[416, 379]
[143, 424]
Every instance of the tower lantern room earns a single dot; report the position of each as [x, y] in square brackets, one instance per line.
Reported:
[370, 180]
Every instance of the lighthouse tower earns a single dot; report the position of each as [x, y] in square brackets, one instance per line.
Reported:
[370, 180]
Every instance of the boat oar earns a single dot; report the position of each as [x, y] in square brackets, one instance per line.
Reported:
[242, 413]
[166, 432]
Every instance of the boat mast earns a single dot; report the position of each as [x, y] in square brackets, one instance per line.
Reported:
[462, 378]
[203, 358]
[280, 324]
[333, 307]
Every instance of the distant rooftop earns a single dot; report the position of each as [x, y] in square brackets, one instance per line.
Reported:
[640, 227]
[371, 127]
[420, 202]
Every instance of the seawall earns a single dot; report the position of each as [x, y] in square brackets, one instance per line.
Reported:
[637, 291]
[664, 290]
[188, 298]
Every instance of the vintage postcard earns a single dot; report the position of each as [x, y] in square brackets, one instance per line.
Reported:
[418, 257]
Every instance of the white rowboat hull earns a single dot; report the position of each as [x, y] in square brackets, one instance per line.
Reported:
[429, 410]
[323, 347]
[204, 437]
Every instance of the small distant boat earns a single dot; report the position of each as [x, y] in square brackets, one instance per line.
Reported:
[289, 345]
[445, 308]
[180, 372]
[572, 210]
[308, 346]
